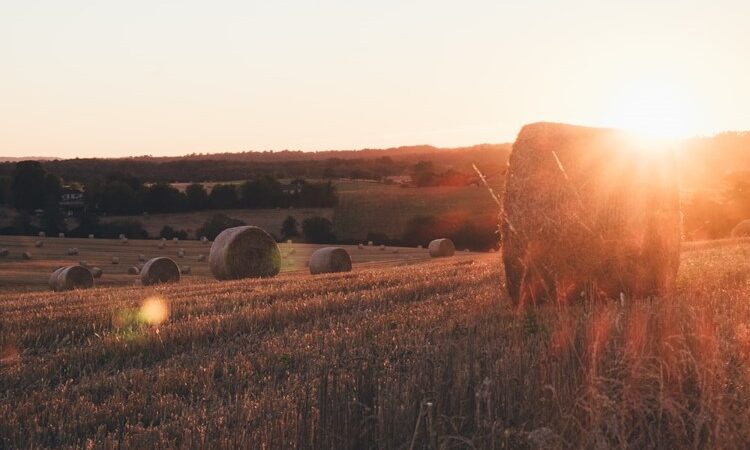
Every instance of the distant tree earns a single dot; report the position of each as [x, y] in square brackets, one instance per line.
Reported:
[423, 173]
[118, 197]
[28, 186]
[167, 232]
[52, 221]
[197, 196]
[318, 230]
[223, 196]
[133, 229]
[289, 228]
[317, 195]
[164, 198]
[4, 190]
[216, 224]
[263, 192]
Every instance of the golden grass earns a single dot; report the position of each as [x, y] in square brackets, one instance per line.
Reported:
[432, 354]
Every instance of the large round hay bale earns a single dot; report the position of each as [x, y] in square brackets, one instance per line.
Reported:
[243, 252]
[441, 248]
[330, 260]
[96, 272]
[160, 270]
[742, 229]
[71, 277]
[589, 210]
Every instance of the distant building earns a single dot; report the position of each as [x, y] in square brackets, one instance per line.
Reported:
[71, 201]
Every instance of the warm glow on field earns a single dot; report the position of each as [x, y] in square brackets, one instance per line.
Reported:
[654, 109]
[154, 311]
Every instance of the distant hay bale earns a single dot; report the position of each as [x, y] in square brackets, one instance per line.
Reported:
[292, 251]
[115, 260]
[26, 255]
[122, 237]
[589, 210]
[360, 246]
[466, 250]
[42, 234]
[72, 251]
[4, 252]
[441, 248]
[160, 270]
[204, 239]
[61, 235]
[186, 270]
[420, 246]
[201, 258]
[96, 272]
[330, 260]
[141, 257]
[91, 236]
[175, 239]
[161, 245]
[132, 270]
[288, 241]
[742, 229]
[181, 253]
[83, 263]
[395, 251]
[39, 244]
[163, 239]
[382, 247]
[124, 241]
[369, 243]
[243, 252]
[71, 277]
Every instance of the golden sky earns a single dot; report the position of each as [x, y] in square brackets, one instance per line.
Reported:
[104, 78]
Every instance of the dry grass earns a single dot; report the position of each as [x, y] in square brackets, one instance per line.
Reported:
[26, 275]
[430, 356]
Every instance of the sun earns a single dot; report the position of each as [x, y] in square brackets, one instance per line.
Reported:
[654, 109]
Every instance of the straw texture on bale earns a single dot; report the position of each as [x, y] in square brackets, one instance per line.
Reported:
[96, 272]
[589, 210]
[160, 270]
[243, 252]
[742, 229]
[71, 277]
[441, 248]
[330, 260]
[26, 255]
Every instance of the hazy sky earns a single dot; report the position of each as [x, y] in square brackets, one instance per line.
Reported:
[105, 78]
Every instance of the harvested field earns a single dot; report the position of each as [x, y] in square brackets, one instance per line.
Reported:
[29, 275]
[432, 355]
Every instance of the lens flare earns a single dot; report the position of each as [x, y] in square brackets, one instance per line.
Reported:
[154, 311]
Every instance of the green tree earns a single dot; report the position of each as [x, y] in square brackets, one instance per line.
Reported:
[28, 186]
[216, 224]
[223, 196]
[289, 228]
[263, 192]
[117, 197]
[163, 198]
[197, 196]
[318, 230]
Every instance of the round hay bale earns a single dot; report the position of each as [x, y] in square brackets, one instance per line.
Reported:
[201, 258]
[181, 253]
[369, 243]
[163, 239]
[420, 246]
[141, 257]
[204, 239]
[26, 255]
[72, 251]
[115, 260]
[160, 270]
[42, 234]
[330, 260]
[441, 248]
[186, 270]
[39, 244]
[288, 241]
[588, 210]
[742, 229]
[124, 241]
[132, 270]
[175, 239]
[466, 250]
[71, 277]
[96, 272]
[121, 237]
[83, 263]
[61, 235]
[4, 252]
[360, 246]
[91, 236]
[382, 247]
[161, 245]
[243, 252]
